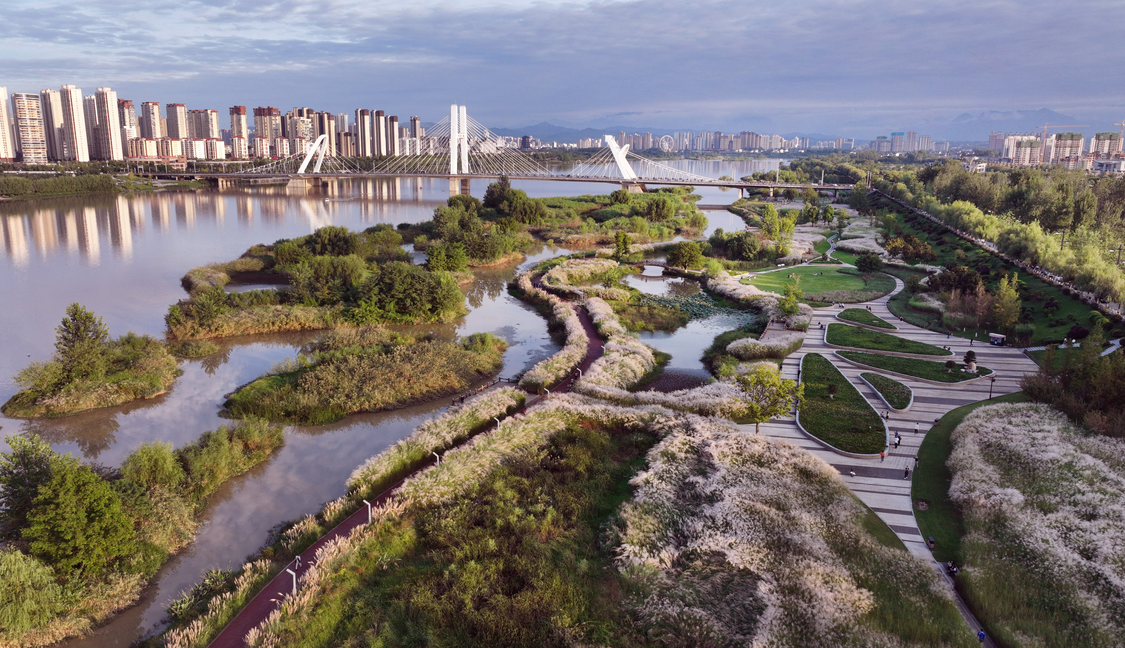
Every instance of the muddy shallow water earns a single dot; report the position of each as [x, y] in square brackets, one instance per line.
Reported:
[123, 256]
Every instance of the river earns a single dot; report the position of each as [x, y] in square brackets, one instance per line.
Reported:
[123, 256]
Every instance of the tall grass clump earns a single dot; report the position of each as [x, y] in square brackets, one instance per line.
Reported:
[778, 347]
[366, 370]
[1044, 512]
[741, 540]
[558, 366]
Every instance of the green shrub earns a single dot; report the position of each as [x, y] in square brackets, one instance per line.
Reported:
[29, 595]
[228, 451]
[152, 465]
[28, 465]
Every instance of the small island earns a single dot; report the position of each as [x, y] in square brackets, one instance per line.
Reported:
[89, 370]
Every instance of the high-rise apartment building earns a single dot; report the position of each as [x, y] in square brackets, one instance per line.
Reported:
[996, 142]
[50, 103]
[301, 135]
[1065, 147]
[149, 120]
[267, 125]
[1104, 144]
[898, 142]
[341, 122]
[203, 124]
[127, 114]
[394, 141]
[239, 148]
[76, 143]
[177, 121]
[238, 122]
[926, 143]
[379, 139]
[416, 129]
[31, 138]
[910, 143]
[7, 145]
[107, 133]
[363, 132]
[1025, 151]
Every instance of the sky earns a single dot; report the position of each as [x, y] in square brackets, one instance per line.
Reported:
[848, 68]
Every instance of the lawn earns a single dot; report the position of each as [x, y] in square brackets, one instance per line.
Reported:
[864, 316]
[845, 420]
[822, 247]
[845, 257]
[895, 393]
[827, 284]
[941, 520]
[925, 369]
[1062, 356]
[861, 338]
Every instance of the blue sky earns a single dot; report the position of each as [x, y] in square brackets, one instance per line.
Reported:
[849, 68]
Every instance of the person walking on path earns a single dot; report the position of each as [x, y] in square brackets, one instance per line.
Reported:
[915, 428]
[981, 636]
[906, 473]
[882, 456]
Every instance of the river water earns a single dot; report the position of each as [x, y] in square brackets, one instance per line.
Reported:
[123, 256]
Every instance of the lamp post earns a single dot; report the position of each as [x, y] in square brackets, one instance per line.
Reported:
[368, 511]
[294, 574]
[990, 384]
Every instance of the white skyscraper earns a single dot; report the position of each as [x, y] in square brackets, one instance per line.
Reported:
[108, 128]
[75, 144]
[149, 120]
[127, 114]
[177, 121]
[30, 133]
[50, 102]
[7, 146]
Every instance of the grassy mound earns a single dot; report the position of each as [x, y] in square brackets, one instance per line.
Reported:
[895, 393]
[864, 316]
[843, 419]
[925, 369]
[365, 370]
[861, 338]
[846, 285]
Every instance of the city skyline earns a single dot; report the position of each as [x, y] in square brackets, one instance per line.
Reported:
[810, 66]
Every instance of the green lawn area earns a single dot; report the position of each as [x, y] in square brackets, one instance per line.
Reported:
[845, 420]
[1035, 294]
[827, 284]
[941, 519]
[926, 369]
[861, 338]
[895, 393]
[822, 247]
[846, 257]
[864, 316]
[1061, 356]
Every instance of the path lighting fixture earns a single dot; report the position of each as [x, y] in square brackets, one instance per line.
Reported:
[497, 419]
[438, 457]
[990, 384]
[548, 392]
[294, 574]
[368, 511]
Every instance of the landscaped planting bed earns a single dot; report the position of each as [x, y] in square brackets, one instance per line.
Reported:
[897, 395]
[861, 338]
[864, 316]
[827, 284]
[1044, 550]
[924, 369]
[844, 420]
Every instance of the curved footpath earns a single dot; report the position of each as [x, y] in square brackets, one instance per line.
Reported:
[270, 597]
[882, 485]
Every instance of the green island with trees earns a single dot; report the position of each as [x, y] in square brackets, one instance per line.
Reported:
[89, 370]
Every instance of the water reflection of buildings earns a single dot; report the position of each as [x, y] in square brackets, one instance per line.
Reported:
[76, 226]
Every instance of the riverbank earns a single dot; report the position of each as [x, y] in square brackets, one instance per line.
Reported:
[16, 187]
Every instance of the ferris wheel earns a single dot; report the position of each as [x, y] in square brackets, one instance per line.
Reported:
[667, 144]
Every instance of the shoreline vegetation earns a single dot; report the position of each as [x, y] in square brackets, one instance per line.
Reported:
[89, 370]
[365, 370]
[84, 539]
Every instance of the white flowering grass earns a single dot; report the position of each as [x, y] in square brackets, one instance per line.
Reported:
[1044, 510]
[564, 277]
[778, 346]
[222, 608]
[739, 540]
[859, 237]
[556, 367]
[435, 434]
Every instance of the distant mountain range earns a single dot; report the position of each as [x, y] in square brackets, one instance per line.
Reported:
[976, 127]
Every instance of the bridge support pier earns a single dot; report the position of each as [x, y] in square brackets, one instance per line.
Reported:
[459, 186]
[634, 187]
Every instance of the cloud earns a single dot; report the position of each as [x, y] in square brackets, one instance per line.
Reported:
[707, 64]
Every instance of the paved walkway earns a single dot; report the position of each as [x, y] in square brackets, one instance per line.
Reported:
[882, 485]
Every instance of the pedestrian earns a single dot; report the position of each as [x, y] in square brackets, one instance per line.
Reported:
[906, 473]
[915, 428]
[948, 335]
[981, 636]
[882, 456]
[970, 343]
[897, 442]
[915, 460]
[897, 437]
[298, 562]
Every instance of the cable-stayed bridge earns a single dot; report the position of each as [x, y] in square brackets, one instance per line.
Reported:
[460, 148]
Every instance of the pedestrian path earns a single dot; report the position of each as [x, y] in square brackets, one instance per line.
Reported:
[884, 486]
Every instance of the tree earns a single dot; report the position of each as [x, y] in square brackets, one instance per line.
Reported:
[970, 356]
[771, 222]
[868, 262]
[621, 244]
[29, 595]
[685, 255]
[80, 343]
[766, 394]
[77, 523]
[660, 208]
[153, 464]
[497, 193]
[827, 213]
[27, 466]
[793, 294]
[1006, 304]
[620, 197]
[913, 283]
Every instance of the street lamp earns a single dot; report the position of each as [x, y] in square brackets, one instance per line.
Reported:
[368, 511]
[294, 579]
[990, 384]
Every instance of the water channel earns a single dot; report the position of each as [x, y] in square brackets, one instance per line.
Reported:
[123, 256]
